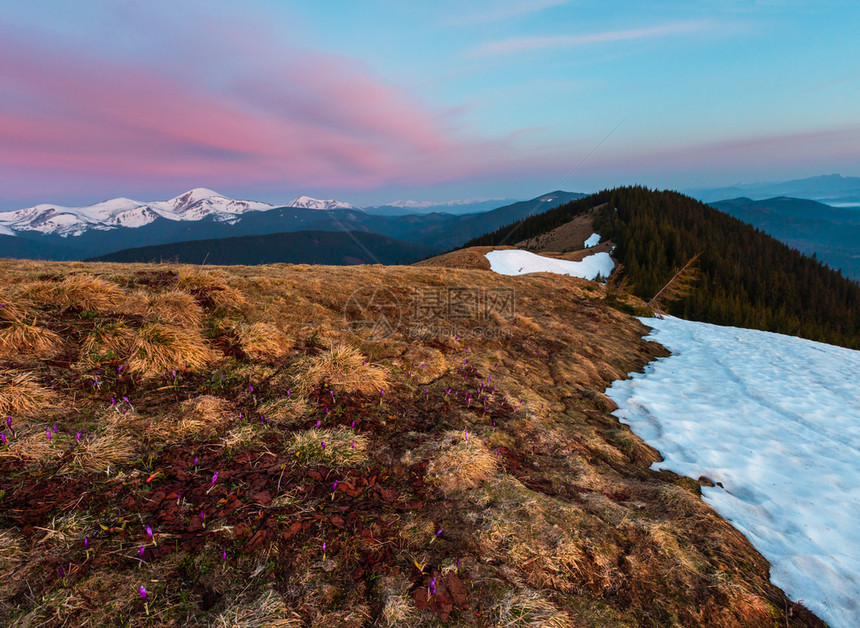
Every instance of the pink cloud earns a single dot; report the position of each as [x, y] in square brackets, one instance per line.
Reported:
[312, 120]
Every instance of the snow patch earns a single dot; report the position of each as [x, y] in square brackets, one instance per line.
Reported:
[517, 262]
[776, 420]
[593, 240]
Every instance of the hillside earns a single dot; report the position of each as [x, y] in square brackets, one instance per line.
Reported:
[746, 278]
[830, 233]
[293, 445]
[301, 247]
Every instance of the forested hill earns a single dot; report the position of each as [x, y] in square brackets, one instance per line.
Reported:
[746, 278]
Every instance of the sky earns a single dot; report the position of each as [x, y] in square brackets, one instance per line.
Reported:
[375, 101]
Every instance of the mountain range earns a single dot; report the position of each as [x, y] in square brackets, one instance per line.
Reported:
[61, 233]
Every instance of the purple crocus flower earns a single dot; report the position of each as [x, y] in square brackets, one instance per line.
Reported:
[141, 551]
[352, 425]
[195, 463]
[250, 388]
[353, 444]
[432, 588]
[142, 591]
[288, 393]
[149, 532]
[319, 422]
[440, 531]
[54, 427]
[78, 436]
[61, 571]
[334, 486]
[9, 422]
[48, 432]
[86, 542]
[3, 438]
[322, 444]
[113, 402]
[203, 517]
[214, 478]
[381, 392]
[224, 555]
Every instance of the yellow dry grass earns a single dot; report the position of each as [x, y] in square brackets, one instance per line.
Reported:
[334, 447]
[174, 308]
[100, 453]
[67, 530]
[398, 609]
[12, 309]
[264, 341]
[87, 293]
[530, 609]
[204, 415]
[11, 555]
[158, 349]
[22, 395]
[284, 411]
[266, 611]
[462, 461]
[537, 535]
[343, 369]
[30, 447]
[23, 340]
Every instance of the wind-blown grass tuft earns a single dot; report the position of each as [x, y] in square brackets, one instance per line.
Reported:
[344, 369]
[157, 349]
[21, 339]
[264, 341]
[21, 394]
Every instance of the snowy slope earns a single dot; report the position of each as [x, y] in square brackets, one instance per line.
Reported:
[516, 262]
[314, 203]
[593, 240]
[776, 420]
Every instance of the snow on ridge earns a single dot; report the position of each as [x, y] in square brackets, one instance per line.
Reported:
[308, 202]
[518, 262]
[775, 419]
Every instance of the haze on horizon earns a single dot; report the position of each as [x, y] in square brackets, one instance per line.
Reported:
[376, 101]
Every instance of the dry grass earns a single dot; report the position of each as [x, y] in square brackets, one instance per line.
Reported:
[343, 369]
[29, 447]
[530, 609]
[264, 342]
[266, 611]
[241, 436]
[97, 454]
[285, 411]
[22, 395]
[107, 340]
[204, 415]
[174, 308]
[398, 609]
[463, 461]
[13, 309]
[537, 535]
[86, 292]
[343, 448]
[11, 554]
[157, 349]
[67, 530]
[21, 339]
[227, 298]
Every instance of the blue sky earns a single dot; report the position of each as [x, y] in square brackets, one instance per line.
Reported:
[374, 101]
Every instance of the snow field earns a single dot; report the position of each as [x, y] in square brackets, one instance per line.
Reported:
[776, 420]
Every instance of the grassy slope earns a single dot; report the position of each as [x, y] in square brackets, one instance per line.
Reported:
[491, 469]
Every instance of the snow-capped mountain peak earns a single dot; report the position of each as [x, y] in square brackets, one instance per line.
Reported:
[314, 203]
[193, 205]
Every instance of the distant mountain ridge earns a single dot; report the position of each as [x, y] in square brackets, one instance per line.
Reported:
[830, 189]
[831, 233]
[336, 248]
